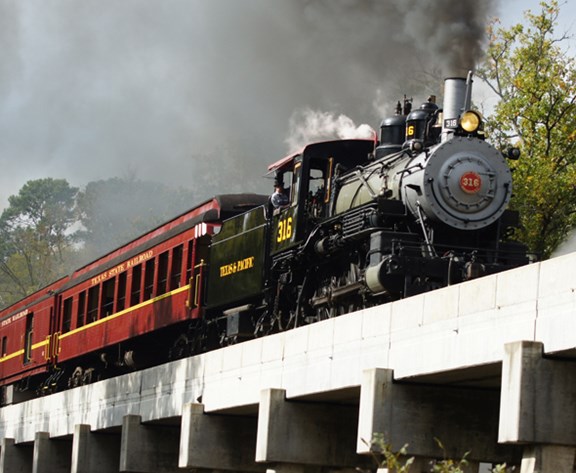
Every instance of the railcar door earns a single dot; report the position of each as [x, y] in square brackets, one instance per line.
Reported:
[53, 346]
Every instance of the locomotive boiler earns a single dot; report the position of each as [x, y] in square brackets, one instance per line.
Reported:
[366, 224]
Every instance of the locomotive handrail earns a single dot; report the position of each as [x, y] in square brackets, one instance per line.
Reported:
[424, 232]
[195, 284]
[47, 349]
[28, 347]
[55, 345]
[197, 289]
[190, 293]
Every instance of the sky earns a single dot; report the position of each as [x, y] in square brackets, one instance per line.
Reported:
[511, 12]
[205, 94]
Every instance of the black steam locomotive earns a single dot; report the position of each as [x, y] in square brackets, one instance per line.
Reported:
[366, 224]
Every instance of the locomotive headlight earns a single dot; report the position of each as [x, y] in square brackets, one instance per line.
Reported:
[470, 121]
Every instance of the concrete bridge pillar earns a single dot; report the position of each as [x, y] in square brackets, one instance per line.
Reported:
[299, 436]
[547, 459]
[51, 455]
[463, 419]
[94, 452]
[538, 408]
[15, 458]
[217, 442]
[148, 448]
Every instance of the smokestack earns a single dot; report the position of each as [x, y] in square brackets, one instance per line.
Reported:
[457, 98]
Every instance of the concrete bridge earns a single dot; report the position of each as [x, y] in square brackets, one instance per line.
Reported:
[488, 366]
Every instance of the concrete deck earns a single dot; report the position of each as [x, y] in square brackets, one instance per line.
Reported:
[452, 337]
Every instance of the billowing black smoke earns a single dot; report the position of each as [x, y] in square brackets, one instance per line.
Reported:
[201, 93]
[371, 52]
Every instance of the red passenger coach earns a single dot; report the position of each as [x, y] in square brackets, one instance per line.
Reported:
[26, 330]
[134, 307]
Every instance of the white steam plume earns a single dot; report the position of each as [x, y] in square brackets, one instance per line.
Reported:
[308, 126]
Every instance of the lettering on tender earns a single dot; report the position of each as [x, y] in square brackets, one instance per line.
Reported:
[237, 266]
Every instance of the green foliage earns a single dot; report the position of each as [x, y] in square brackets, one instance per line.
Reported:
[503, 468]
[385, 457]
[51, 228]
[535, 80]
[399, 462]
[447, 465]
[36, 241]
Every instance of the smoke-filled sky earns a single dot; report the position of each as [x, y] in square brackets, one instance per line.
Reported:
[203, 94]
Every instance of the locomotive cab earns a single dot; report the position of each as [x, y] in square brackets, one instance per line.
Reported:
[312, 173]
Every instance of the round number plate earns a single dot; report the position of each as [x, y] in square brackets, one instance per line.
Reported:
[470, 182]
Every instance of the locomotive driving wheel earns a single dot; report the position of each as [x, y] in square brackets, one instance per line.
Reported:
[338, 294]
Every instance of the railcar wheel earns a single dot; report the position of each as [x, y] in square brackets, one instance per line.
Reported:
[81, 377]
[75, 378]
[180, 348]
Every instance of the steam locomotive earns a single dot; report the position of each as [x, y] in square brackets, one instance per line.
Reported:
[363, 223]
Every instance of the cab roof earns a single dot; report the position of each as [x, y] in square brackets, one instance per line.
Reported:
[325, 148]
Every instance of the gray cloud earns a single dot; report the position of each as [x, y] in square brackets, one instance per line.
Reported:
[201, 93]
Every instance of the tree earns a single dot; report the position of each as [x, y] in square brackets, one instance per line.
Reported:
[36, 237]
[114, 211]
[535, 79]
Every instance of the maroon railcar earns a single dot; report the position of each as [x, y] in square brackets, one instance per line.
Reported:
[132, 307]
[26, 329]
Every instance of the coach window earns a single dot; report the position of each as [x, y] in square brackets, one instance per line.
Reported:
[67, 315]
[136, 285]
[107, 302]
[28, 338]
[149, 279]
[176, 267]
[81, 318]
[121, 304]
[176, 275]
[93, 299]
[162, 276]
[4, 346]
